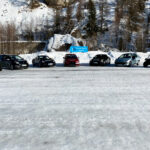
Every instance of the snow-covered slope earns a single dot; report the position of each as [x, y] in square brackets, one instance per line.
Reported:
[59, 40]
[18, 11]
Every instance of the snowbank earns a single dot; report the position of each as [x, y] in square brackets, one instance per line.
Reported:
[84, 57]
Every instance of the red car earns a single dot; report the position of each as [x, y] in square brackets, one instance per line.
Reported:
[71, 60]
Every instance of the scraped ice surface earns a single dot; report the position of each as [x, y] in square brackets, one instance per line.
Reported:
[84, 108]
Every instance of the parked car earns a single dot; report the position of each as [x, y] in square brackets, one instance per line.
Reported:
[71, 60]
[13, 62]
[147, 62]
[43, 61]
[100, 60]
[128, 59]
[0, 66]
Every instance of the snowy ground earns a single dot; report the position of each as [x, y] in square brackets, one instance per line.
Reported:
[84, 108]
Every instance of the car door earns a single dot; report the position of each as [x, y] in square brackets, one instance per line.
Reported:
[6, 61]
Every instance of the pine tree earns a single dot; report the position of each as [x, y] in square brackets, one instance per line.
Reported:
[104, 12]
[118, 40]
[79, 14]
[57, 22]
[134, 17]
[91, 27]
[69, 24]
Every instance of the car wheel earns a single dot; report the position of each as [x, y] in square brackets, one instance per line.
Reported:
[40, 65]
[91, 64]
[33, 64]
[54, 64]
[116, 65]
[145, 64]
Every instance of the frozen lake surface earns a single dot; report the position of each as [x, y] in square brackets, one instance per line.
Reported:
[84, 108]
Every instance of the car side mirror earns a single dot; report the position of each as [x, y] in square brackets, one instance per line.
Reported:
[133, 57]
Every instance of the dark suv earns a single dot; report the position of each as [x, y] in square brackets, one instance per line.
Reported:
[43, 61]
[100, 60]
[13, 62]
[146, 62]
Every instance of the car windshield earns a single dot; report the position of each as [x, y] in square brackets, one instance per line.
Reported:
[101, 56]
[126, 56]
[71, 56]
[44, 57]
[16, 57]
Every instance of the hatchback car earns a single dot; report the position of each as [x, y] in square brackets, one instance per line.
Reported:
[71, 60]
[43, 61]
[147, 62]
[128, 59]
[100, 60]
[13, 62]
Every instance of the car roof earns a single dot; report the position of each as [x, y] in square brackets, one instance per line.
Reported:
[130, 53]
[70, 54]
[42, 55]
[101, 55]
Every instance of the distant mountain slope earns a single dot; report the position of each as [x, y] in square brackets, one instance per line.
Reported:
[41, 19]
[19, 12]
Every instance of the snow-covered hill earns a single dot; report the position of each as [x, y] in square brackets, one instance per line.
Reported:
[18, 11]
[41, 20]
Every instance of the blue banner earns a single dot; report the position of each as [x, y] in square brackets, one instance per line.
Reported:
[81, 49]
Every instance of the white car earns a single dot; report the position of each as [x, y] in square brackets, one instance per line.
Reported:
[128, 59]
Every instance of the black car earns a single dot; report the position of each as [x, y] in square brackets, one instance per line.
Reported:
[100, 60]
[13, 62]
[43, 61]
[147, 62]
[0, 66]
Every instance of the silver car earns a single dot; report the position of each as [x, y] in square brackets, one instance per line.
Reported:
[128, 59]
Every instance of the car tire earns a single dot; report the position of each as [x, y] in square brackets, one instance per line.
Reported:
[40, 65]
[145, 64]
[33, 64]
[116, 65]
[91, 64]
